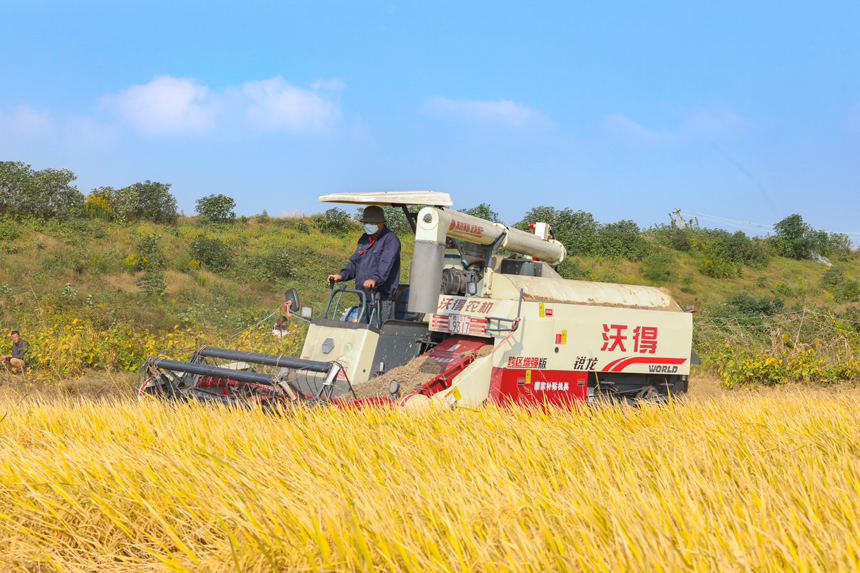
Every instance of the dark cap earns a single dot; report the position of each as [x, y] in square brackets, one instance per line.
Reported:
[373, 214]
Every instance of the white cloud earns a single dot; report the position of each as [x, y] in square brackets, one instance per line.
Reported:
[166, 106]
[26, 122]
[180, 106]
[503, 112]
[276, 104]
[713, 121]
[170, 106]
[332, 85]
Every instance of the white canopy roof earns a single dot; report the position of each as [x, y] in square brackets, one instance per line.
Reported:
[391, 198]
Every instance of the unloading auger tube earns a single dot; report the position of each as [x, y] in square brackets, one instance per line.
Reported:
[434, 226]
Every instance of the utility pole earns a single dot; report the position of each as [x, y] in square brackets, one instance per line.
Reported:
[680, 220]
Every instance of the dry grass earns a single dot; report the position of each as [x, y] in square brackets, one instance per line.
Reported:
[803, 278]
[705, 385]
[91, 385]
[757, 483]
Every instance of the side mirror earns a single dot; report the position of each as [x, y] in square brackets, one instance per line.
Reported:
[292, 300]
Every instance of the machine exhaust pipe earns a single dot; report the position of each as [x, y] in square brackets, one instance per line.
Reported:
[425, 276]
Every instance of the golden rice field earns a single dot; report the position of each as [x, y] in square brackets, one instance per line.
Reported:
[746, 483]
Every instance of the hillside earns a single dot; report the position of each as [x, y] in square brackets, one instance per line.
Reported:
[92, 269]
[797, 282]
[143, 287]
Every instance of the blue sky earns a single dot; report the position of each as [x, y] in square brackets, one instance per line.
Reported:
[743, 110]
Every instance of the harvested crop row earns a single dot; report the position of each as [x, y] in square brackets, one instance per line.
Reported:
[410, 376]
[755, 484]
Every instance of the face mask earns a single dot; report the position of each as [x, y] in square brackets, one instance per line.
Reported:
[370, 228]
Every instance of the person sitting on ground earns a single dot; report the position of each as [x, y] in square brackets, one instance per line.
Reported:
[375, 264]
[281, 327]
[15, 362]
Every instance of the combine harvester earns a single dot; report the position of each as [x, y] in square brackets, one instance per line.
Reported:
[503, 328]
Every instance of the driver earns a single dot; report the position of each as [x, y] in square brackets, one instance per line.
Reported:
[375, 264]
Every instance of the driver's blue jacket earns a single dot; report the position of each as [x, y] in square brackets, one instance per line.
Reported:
[377, 260]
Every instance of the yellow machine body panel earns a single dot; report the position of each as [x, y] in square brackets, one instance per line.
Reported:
[564, 336]
[471, 387]
[354, 348]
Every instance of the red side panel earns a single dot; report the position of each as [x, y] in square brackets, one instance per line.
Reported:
[225, 386]
[453, 356]
[518, 386]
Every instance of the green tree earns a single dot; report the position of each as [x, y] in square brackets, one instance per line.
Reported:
[14, 176]
[155, 203]
[577, 230]
[621, 240]
[483, 211]
[46, 193]
[218, 208]
[148, 200]
[793, 237]
[126, 203]
[734, 247]
[674, 237]
[840, 244]
[335, 221]
[796, 239]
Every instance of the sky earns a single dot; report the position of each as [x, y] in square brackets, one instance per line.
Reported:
[749, 111]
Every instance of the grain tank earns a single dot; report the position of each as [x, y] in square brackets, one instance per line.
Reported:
[551, 340]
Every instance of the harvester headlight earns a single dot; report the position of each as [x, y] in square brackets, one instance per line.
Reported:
[307, 312]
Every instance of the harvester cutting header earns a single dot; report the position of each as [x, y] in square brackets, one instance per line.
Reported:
[484, 313]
